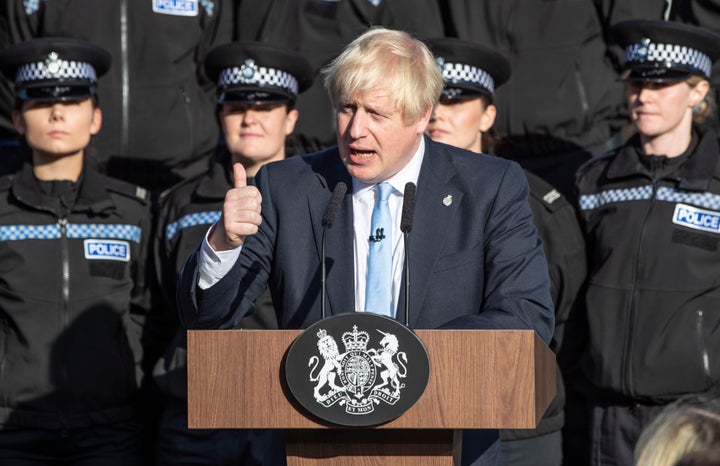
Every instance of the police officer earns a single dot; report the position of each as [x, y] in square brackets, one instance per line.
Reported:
[159, 126]
[651, 212]
[257, 86]
[463, 117]
[72, 281]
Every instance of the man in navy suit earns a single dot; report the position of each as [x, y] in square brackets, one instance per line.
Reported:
[475, 259]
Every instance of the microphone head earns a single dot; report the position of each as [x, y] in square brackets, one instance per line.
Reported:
[334, 204]
[408, 207]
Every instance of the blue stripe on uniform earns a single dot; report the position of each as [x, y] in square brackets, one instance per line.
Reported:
[75, 231]
[191, 220]
[611, 196]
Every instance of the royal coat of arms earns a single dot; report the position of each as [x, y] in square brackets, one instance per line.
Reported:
[357, 369]
[357, 378]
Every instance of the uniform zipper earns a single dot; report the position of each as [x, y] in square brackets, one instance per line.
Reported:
[125, 81]
[65, 298]
[626, 361]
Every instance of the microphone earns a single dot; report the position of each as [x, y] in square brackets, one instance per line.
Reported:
[327, 222]
[406, 220]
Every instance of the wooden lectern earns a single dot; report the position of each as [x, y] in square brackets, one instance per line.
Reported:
[479, 379]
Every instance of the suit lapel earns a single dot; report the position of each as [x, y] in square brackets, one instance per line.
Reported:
[436, 203]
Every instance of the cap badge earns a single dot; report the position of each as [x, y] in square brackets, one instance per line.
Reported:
[248, 69]
[642, 51]
[440, 63]
[53, 64]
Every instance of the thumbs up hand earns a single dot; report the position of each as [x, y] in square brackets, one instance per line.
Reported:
[240, 214]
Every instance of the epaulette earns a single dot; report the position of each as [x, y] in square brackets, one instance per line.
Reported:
[543, 191]
[128, 189]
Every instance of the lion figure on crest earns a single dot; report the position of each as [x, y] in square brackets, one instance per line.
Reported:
[326, 377]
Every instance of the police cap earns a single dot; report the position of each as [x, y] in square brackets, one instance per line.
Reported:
[54, 68]
[257, 72]
[665, 51]
[469, 69]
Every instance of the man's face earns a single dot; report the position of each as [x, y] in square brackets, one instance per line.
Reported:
[255, 133]
[57, 128]
[374, 141]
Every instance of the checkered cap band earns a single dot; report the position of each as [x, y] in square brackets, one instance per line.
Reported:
[53, 69]
[664, 194]
[460, 73]
[259, 76]
[190, 220]
[74, 231]
[31, 6]
[669, 54]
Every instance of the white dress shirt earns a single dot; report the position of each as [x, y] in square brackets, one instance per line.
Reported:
[213, 265]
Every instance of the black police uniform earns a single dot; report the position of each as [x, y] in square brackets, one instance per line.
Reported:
[652, 224]
[246, 73]
[159, 125]
[72, 289]
[471, 70]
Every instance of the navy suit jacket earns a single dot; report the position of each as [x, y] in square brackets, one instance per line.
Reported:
[476, 262]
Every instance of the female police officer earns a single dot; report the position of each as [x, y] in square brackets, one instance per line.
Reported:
[651, 214]
[73, 300]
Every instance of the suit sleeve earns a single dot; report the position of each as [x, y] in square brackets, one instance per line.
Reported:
[517, 286]
[223, 305]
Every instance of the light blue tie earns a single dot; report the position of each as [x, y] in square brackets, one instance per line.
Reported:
[378, 291]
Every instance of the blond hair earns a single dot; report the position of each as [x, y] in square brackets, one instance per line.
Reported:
[688, 425]
[395, 60]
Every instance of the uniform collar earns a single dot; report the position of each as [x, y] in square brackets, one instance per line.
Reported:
[694, 174]
[92, 194]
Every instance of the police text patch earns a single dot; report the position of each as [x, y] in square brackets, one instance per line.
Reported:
[176, 7]
[698, 219]
[107, 249]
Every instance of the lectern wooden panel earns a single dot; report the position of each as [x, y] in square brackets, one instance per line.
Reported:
[479, 379]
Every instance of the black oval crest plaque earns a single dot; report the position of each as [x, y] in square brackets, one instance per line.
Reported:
[357, 369]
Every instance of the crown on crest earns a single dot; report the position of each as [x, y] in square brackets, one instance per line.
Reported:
[355, 341]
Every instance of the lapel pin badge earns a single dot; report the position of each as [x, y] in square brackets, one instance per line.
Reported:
[447, 200]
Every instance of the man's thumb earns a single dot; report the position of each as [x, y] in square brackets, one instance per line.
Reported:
[239, 177]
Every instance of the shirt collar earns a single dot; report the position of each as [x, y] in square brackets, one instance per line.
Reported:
[409, 173]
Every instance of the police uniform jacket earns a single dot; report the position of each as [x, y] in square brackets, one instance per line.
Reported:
[557, 224]
[187, 211]
[72, 301]
[652, 226]
[159, 123]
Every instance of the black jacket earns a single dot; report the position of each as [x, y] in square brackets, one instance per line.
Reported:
[73, 301]
[563, 92]
[557, 224]
[652, 226]
[159, 122]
